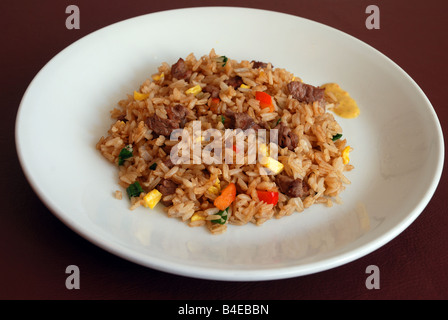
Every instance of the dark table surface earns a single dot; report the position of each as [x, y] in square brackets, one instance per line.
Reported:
[36, 248]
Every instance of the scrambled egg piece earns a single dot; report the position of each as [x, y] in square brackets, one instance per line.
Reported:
[152, 198]
[197, 217]
[275, 166]
[140, 96]
[194, 90]
[216, 188]
[345, 155]
[345, 106]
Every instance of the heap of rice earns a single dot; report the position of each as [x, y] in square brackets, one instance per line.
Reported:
[317, 159]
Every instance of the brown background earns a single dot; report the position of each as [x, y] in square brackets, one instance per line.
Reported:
[35, 247]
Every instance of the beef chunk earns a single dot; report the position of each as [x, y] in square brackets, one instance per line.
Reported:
[294, 188]
[243, 121]
[161, 126]
[177, 113]
[235, 82]
[176, 119]
[287, 138]
[180, 70]
[240, 120]
[259, 64]
[213, 90]
[167, 187]
[305, 92]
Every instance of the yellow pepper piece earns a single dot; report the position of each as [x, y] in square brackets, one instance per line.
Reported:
[152, 198]
[157, 77]
[275, 166]
[245, 86]
[194, 90]
[345, 155]
[140, 96]
[197, 217]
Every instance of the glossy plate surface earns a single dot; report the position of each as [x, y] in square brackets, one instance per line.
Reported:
[65, 111]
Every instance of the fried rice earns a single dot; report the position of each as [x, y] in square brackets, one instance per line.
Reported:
[221, 93]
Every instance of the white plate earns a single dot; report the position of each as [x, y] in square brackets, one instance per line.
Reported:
[397, 141]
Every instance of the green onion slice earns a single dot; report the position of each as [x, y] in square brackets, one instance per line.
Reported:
[153, 166]
[134, 190]
[222, 59]
[223, 214]
[276, 124]
[337, 137]
[124, 154]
